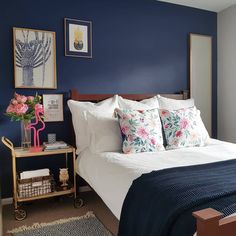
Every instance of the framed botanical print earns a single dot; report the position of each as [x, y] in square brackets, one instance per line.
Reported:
[78, 38]
[34, 58]
[53, 107]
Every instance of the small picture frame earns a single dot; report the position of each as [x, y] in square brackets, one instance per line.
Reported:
[34, 53]
[53, 107]
[78, 38]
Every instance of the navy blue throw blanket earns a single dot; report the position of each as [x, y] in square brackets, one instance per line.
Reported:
[160, 203]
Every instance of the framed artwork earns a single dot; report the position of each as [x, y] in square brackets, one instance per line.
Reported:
[78, 38]
[34, 58]
[53, 107]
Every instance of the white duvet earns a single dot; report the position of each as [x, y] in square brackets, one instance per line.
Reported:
[111, 174]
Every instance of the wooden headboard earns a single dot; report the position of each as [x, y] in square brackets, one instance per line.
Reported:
[99, 97]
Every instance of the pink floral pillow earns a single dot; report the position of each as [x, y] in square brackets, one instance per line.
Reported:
[141, 130]
[183, 128]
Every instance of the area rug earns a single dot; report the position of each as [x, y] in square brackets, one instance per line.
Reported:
[87, 225]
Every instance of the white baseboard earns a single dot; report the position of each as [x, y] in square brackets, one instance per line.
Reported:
[8, 201]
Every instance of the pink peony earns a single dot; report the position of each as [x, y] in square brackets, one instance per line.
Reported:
[30, 98]
[20, 98]
[39, 107]
[142, 133]
[21, 109]
[184, 123]
[178, 133]
[10, 109]
[14, 101]
[17, 96]
[166, 126]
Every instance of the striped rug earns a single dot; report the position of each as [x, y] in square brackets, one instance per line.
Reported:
[86, 225]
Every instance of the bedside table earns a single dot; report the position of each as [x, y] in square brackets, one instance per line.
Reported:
[19, 153]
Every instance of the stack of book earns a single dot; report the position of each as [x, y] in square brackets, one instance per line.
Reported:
[53, 146]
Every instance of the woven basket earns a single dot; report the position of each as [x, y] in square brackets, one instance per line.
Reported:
[34, 187]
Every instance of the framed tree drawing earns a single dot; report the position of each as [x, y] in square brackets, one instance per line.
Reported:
[34, 58]
[78, 38]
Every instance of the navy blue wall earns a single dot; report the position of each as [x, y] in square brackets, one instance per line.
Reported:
[139, 46]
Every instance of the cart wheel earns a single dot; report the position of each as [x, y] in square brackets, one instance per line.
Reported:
[20, 214]
[78, 202]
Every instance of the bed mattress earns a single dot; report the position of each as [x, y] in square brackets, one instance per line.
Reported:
[111, 174]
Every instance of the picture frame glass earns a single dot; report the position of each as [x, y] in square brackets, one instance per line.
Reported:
[78, 38]
[53, 107]
[34, 58]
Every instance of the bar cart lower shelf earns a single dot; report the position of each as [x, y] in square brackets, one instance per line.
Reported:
[21, 214]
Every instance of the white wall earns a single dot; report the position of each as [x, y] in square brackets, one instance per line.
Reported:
[227, 74]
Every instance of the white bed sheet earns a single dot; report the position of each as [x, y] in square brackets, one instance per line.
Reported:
[111, 174]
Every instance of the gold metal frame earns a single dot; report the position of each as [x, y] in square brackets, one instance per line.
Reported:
[54, 55]
[90, 34]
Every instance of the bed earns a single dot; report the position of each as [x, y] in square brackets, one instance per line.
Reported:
[111, 175]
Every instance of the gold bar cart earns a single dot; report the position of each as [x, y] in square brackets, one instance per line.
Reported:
[17, 152]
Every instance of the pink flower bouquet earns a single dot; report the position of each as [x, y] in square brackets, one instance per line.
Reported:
[22, 107]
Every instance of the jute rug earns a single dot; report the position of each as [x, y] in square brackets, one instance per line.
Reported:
[87, 225]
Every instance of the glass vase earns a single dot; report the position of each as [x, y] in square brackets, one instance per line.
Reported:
[25, 134]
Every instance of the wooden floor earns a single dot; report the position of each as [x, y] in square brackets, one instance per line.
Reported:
[53, 209]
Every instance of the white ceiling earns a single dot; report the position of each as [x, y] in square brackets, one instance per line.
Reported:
[210, 5]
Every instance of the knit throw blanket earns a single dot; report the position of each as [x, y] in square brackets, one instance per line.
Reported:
[161, 203]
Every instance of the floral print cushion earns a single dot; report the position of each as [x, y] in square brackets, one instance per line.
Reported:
[141, 130]
[183, 128]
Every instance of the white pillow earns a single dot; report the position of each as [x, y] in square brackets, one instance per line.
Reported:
[105, 134]
[174, 104]
[78, 108]
[145, 104]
